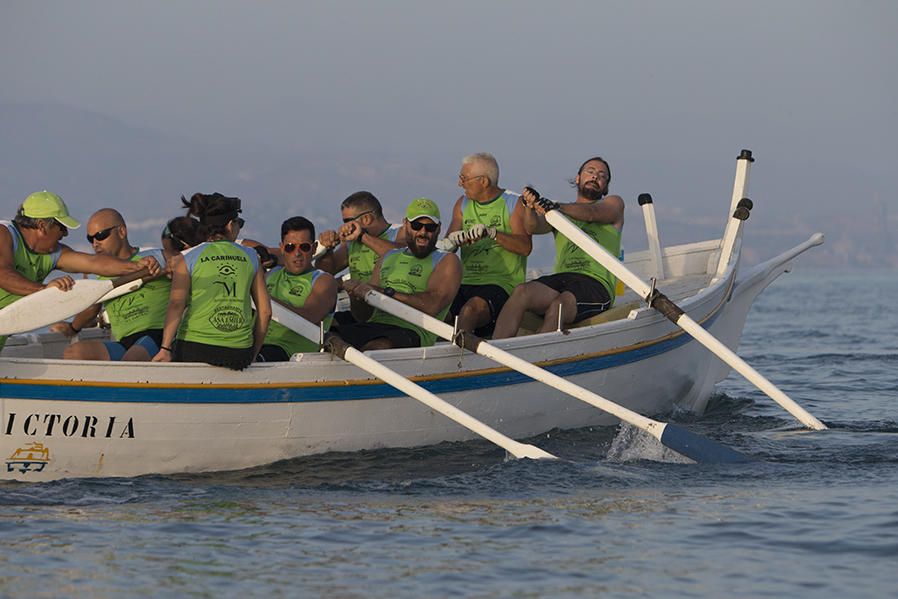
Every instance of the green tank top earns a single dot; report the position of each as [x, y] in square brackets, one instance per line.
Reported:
[407, 274]
[293, 290]
[486, 262]
[143, 309]
[570, 258]
[31, 265]
[219, 310]
[362, 259]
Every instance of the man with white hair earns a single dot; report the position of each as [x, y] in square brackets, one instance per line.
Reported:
[488, 225]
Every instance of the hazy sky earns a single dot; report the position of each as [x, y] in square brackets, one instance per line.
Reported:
[810, 86]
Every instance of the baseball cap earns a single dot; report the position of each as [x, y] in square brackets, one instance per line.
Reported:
[423, 207]
[45, 204]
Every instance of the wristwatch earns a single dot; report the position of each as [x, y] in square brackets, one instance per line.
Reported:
[389, 291]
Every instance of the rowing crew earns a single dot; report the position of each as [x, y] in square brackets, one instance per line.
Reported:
[205, 312]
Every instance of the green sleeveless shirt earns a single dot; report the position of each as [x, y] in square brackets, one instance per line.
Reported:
[143, 309]
[362, 259]
[486, 262]
[293, 290]
[31, 265]
[570, 258]
[407, 274]
[219, 308]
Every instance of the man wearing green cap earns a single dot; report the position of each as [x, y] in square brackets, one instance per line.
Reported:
[30, 249]
[419, 275]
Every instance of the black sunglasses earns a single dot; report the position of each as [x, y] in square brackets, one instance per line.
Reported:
[304, 247]
[240, 222]
[429, 227]
[357, 216]
[100, 235]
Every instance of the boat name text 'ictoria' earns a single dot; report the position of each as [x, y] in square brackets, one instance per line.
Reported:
[48, 425]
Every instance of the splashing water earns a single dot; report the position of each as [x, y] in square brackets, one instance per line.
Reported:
[632, 444]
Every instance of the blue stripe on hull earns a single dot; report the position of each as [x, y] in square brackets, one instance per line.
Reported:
[337, 392]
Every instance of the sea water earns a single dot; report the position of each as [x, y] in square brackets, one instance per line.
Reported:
[815, 516]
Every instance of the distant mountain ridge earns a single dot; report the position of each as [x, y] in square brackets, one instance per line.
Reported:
[94, 161]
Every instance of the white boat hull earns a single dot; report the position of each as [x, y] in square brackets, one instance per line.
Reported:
[88, 419]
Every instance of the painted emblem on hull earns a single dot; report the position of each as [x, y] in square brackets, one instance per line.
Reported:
[31, 458]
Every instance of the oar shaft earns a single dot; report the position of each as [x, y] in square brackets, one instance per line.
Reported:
[651, 232]
[734, 226]
[497, 354]
[601, 255]
[666, 307]
[753, 376]
[518, 450]
[680, 440]
[342, 349]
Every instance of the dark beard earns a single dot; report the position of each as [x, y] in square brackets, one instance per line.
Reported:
[419, 252]
[593, 194]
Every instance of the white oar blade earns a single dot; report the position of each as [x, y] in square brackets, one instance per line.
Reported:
[51, 305]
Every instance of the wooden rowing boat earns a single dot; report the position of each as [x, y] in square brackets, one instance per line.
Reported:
[90, 419]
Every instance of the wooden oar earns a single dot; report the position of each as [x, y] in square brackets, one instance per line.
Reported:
[682, 441]
[51, 304]
[343, 350]
[675, 314]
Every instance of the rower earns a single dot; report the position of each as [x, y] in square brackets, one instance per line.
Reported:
[214, 284]
[299, 286]
[363, 238]
[418, 275]
[580, 287]
[488, 225]
[136, 318]
[30, 249]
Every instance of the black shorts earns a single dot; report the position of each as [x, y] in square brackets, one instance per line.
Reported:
[272, 353]
[343, 318]
[494, 296]
[216, 355]
[591, 296]
[357, 335]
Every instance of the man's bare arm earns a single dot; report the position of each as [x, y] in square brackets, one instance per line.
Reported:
[519, 240]
[609, 210]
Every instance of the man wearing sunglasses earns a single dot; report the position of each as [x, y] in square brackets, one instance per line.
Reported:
[363, 238]
[309, 292]
[136, 318]
[30, 249]
[581, 287]
[488, 225]
[419, 275]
